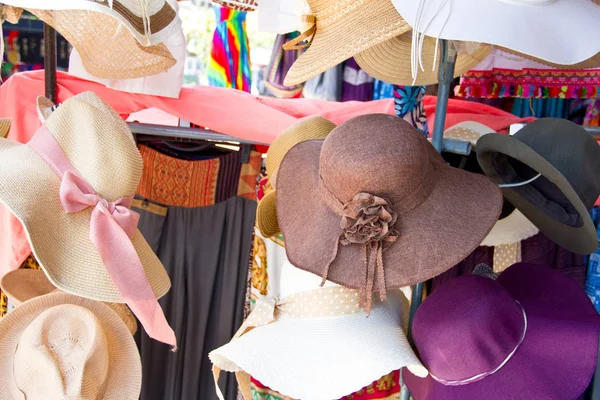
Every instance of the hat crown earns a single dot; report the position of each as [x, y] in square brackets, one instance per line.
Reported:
[63, 353]
[557, 141]
[99, 144]
[378, 154]
[467, 327]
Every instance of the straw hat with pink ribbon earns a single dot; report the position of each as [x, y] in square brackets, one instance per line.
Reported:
[71, 187]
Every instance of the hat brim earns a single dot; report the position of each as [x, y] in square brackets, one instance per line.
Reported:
[389, 61]
[266, 215]
[458, 214]
[125, 373]
[477, 21]
[578, 239]
[356, 30]
[60, 241]
[338, 355]
[550, 363]
[4, 127]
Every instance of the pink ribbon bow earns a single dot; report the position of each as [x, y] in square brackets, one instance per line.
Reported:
[112, 226]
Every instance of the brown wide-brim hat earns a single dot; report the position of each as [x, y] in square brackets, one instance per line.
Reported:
[89, 131]
[558, 202]
[458, 209]
[389, 61]
[124, 375]
[343, 29]
[22, 285]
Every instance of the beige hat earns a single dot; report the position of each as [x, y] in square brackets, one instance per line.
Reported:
[22, 285]
[100, 146]
[311, 129]
[389, 61]
[342, 29]
[61, 346]
[4, 127]
[116, 39]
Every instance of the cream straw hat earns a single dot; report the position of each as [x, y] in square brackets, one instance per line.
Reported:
[389, 61]
[22, 285]
[342, 29]
[319, 344]
[61, 346]
[79, 226]
[116, 39]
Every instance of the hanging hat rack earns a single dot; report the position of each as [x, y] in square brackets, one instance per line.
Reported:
[445, 75]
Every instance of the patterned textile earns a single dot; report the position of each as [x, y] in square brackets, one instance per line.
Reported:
[382, 90]
[409, 106]
[592, 115]
[229, 64]
[530, 83]
[29, 263]
[385, 388]
[170, 181]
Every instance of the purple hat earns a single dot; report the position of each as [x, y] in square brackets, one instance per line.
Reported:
[530, 334]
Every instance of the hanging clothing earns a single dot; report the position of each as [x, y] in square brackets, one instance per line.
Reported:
[198, 217]
[382, 90]
[280, 63]
[409, 106]
[357, 85]
[229, 64]
[541, 108]
[325, 86]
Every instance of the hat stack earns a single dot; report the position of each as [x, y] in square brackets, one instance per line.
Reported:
[70, 335]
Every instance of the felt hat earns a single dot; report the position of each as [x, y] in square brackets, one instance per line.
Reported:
[22, 285]
[321, 336]
[374, 206]
[62, 346]
[389, 61]
[71, 187]
[116, 39]
[309, 129]
[523, 21]
[567, 159]
[530, 334]
[340, 30]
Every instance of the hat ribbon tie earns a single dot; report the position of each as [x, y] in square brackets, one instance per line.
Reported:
[112, 225]
[299, 42]
[478, 377]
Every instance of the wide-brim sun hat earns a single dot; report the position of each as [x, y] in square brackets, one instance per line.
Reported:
[341, 30]
[22, 285]
[567, 159]
[389, 61]
[61, 186]
[102, 362]
[530, 334]
[116, 39]
[309, 129]
[337, 354]
[429, 216]
[523, 22]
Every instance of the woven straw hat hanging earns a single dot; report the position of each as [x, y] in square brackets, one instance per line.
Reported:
[116, 39]
[61, 346]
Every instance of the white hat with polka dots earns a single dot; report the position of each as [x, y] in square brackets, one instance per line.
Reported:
[320, 344]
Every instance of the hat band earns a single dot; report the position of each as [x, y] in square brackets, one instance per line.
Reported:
[147, 23]
[324, 302]
[478, 377]
[112, 225]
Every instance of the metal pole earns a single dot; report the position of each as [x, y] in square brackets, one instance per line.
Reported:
[445, 76]
[50, 62]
